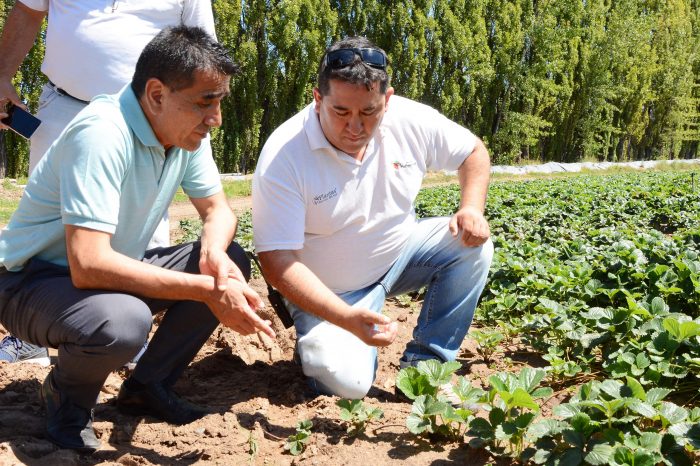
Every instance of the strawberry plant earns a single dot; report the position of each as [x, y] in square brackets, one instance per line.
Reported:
[357, 415]
[487, 343]
[512, 410]
[432, 413]
[610, 422]
[296, 443]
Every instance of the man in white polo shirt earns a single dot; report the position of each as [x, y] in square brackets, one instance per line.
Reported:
[336, 231]
[75, 271]
[91, 49]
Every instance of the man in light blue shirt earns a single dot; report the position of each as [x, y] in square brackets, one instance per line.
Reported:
[75, 272]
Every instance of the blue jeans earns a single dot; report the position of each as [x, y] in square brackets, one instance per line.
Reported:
[339, 363]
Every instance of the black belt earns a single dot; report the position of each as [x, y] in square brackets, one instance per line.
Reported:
[65, 94]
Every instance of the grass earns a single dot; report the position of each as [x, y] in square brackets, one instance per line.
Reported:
[237, 188]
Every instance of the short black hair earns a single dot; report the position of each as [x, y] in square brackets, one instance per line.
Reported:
[175, 54]
[357, 73]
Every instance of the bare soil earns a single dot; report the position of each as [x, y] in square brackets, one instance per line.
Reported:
[256, 394]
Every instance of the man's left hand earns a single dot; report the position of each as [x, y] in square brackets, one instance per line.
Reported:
[470, 223]
[219, 265]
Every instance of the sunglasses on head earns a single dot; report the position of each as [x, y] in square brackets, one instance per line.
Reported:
[344, 57]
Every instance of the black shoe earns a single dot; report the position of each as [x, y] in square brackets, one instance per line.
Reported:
[67, 424]
[155, 400]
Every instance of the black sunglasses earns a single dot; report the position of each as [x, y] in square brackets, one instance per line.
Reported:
[344, 57]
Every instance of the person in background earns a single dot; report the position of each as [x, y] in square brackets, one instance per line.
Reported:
[91, 49]
[336, 231]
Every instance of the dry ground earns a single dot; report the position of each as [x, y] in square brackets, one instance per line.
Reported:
[256, 395]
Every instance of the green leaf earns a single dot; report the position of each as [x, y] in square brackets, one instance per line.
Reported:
[438, 373]
[542, 392]
[571, 457]
[417, 424]
[496, 382]
[522, 399]
[413, 384]
[642, 408]
[658, 306]
[466, 392]
[530, 378]
[497, 416]
[566, 410]
[650, 441]
[600, 454]
[672, 412]
[636, 388]
[419, 419]
[681, 331]
[611, 387]
[480, 427]
[544, 428]
[304, 425]
[656, 394]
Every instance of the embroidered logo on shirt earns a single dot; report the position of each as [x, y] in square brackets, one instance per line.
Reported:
[398, 164]
[324, 197]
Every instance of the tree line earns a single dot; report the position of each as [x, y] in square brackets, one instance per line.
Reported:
[538, 80]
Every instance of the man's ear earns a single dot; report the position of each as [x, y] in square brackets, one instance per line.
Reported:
[317, 98]
[387, 96]
[153, 95]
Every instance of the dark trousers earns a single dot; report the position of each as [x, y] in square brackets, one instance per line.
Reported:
[98, 331]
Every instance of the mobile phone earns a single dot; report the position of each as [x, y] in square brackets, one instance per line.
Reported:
[20, 121]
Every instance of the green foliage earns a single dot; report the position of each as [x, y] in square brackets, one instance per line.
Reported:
[563, 81]
[296, 443]
[357, 415]
[512, 411]
[596, 273]
[487, 342]
[431, 413]
[612, 422]
[601, 275]
[191, 230]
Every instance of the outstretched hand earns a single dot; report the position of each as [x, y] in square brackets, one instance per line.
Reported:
[470, 223]
[372, 328]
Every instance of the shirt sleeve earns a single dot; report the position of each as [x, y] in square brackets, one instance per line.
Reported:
[38, 5]
[449, 144]
[199, 13]
[93, 160]
[279, 210]
[201, 178]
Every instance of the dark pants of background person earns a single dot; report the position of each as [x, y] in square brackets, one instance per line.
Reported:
[97, 331]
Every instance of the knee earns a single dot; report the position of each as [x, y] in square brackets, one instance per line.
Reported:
[345, 370]
[121, 322]
[478, 258]
[239, 257]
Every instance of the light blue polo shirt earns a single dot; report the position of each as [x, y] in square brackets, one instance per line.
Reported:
[107, 172]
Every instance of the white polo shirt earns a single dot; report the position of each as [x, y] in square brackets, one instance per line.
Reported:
[348, 219]
[92, 45]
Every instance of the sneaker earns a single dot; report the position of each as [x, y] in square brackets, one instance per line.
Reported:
[131, 365]
[12, 349]
[67, 424]
[155, 400]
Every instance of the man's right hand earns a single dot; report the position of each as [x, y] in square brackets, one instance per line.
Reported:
[372, 328]
[8, 96]
[236, 307]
